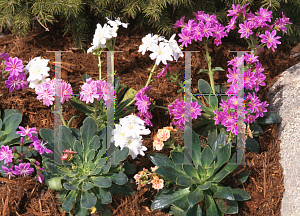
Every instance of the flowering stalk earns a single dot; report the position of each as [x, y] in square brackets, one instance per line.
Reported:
[210, 72]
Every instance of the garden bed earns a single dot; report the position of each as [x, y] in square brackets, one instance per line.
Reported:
[27, 197]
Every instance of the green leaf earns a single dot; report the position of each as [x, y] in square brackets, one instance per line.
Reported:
[121, 155]
[227, 206]
[11, 123]
[177, 211]
[167, 196]
[125, 190]
[170, 173]
[9, 112]
[0, 124]
[87, 131]
[81, 108]
[205, 186]
[182, 203]
[121, 107]
[269, 118]
[240, 194]
[243, 177]
[105, 196]
[195, 196]
[66, 136]
[201, 171]
[76, 133]
[106, 168]
[54, 183]
[67, 204]
[211, 208]
[88, 199]
[11, 136]
[47, 135]
[62, 194]
[213, 101]
[203, 71]
[190, 171]
[252, 145]
[222, 192]
[211, 141]
[119, 178]
[78, 147]
[72, 185]
[256, 129]
[217, 69]
[87, 185]
[185, 181]
[117, 85]
[129, 168]
[130, 94]
[206, 157]
[204, 88]
[159, 160]
[103, 182]
[85, 77]
[178, 158]
[90, 156]
[95, 143]
[219, 143]
[195, 211]
[196, 147]
[70, 121]
[223, 155]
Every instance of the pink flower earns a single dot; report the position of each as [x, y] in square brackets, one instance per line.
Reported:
[270, 39]
[250, 58]
[260, 77]
[186, 37]
[142, 102]
[6, 154]
[218, 32]
[14, 65]
[199, 15]
[235, 11]
[13, 82]
[264, 14]
[236, 62]
[195, 110]
[28, 131]
[261, 109]
[4, 56]
[40, 177]
[245, 29]
[235, 101]
[234, 75]
[8, 172]
[67, 91]
[23, 169]
[45, 92]
[249, 79]
[206, 29]
[179, 23]
[231, 24]
[89, 91]
[40, 147]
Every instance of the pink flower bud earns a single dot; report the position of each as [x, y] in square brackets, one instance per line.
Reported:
[37, 163]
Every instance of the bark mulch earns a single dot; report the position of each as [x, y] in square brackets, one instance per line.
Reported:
[25, 196]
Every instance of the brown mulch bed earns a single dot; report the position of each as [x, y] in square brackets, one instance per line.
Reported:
[24, 196]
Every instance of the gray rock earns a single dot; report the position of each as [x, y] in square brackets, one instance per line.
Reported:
[285, 101]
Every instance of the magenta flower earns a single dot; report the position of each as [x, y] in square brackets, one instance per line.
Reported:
[198, 33]
[8, 172]
[234, 89]
[4, 56]
[106, 92]
[261, 109]
[234, 75]
[254, 102]
[67, 91]
[163, 72]
[142, 102]
[249, 79]
[218, 32]
[212, 19]
[206, 29]
[190, 25]
[235, 102]
[249, 119]
[6, 154]
[186, 37]
[23, 169]
[14, 65]
[89, 91]
[235, 11]
[45, 92]
[245, 29]
[28, 131]
[231, 24]
[23, 81]
[40, 147]
[218, 116]
[179, 23]
[260, 77]
[270, 39]
[146, 89]
[195, 110]
[236, 62]
[13, 82]
[40, 177]
[258, 68]
[241, 112]
[264, 14]
[199, 15]
[250, 58]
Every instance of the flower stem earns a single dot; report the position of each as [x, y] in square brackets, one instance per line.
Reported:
[99, 65]
[147, 83]
[96, 108]
[210, 72]
[161, 107]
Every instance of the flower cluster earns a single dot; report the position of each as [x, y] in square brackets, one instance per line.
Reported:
[17, 78]
[161, 136]
[68, 155]
[97, 90]
[177, 109]
[128, 134]
[37, 70]
[162, 51]
[14, 160]
[46, 91]
[204, 25]
[143, 103]
[102, 34]
[145, 177]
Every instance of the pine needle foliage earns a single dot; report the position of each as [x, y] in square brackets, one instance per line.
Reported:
[76, 15]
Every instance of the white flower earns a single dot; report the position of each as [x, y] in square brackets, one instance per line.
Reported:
[119, 136]
[117, 23]
[148, 41]
[162, 53]
[135, 147]
[37, 68]
[176, 50]
[101, 35]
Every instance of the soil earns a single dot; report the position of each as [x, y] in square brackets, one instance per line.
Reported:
[25, 196]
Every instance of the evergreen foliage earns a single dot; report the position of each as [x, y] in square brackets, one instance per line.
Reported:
[76, 15]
